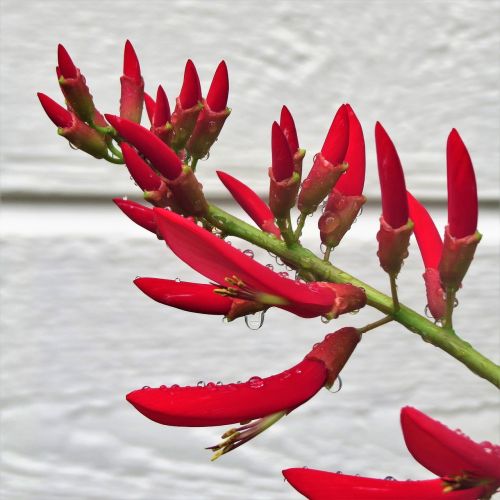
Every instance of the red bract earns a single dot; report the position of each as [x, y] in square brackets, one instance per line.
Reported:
[287, 125]
[65, 64]
[140, 171]
[191, 89]
[60, 116]
[248, 279]
[282, 160]
[392, 181]
[251, 203]
[322, 485]
[153, 148]
[150, 104]
[162, 109]
[337, 139]
[141, 215]
[265, 399]
[219, 89]
[462, 191]
[449, 454]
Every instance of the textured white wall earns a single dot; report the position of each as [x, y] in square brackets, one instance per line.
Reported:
[76, 334]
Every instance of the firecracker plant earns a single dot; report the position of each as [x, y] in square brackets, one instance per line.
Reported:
[162, 159]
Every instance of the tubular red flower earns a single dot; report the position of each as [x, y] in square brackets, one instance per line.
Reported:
[191, 89]
[60, 116]
[65, 64]
[162, 109]
[131, 67]
[154, 149]
[352, 181]
[448, 453]
[322, 485]
[140, 171]
[251, 203]
[219, 89]
[226, 265]
[337, 139]
[193, 297]
[132, 86]
[287, 125]
[282, 160]
[141, 215]
[462, 191]
[392, 181]
[150, 106]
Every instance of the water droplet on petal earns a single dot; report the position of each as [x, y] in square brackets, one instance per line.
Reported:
[210, 385]
[219, 382]
[125, 198]
[178, 280]
[200, 383]
[254, 321]
[163, 387]
[174, 386]
[255, 382]
[389, 478]
[146, 387]
[283, 274]
[428, 312]
[337, 385]
[279, 261]
[270, 266]
[72, 146]
[249, 253]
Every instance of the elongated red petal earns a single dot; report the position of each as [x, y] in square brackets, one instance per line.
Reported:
[66, 67]
[251, 203]
[140, 171]
[141, 215]
[193, 297]
[352, 182]
[219, 89]
[392, 181]
[232, 403]
[60, 116]
[462, 190]
[428, 238]
[282, 160]
[150, 106]
[217, 260]
[447, 453]
[162, 109]
[287, 125]
[191, 89]
[154, 149]
[131, 67]
[321, 485]
[337, 139]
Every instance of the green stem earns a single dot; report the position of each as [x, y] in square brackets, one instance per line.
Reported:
[286, 230]
[194, 162]
[376, 324]
[450, 304]
[115, 150]
[328, 251]
[394, 291]
[306, 261]
[300, 226]
[112, 159]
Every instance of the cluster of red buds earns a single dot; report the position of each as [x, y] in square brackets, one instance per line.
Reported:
[162, 160]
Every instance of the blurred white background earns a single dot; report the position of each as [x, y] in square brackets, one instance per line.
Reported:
[77, 335]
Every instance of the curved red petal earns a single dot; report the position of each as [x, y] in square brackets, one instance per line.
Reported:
[462, 190]
[287, 125]
[141, 215]
[219, 89]
[251, 203]
[140, 171]
[392, 181]
[191, 89]
[66, 67]
[337, 139]
[193, 297]
[351, 183]
[162, 108]
[154, 149]
[150, 106]
[228, 404]
[217, 260]
[322, 485]
[60, 116]
[131, 67]
[282, 160]
[445, 452]
[428, 237]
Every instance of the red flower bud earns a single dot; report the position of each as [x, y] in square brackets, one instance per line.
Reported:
[60, 116]
[153, 148]
[392, 181]
[287, 125]
[251, 203]
[132, 86]
[337, 139]
[141, 215]
[150, 106]
[65, 64]
[219, 89]
[140, 171]
[191, 89]
[282, 161]
[162, 109]
[462, 191]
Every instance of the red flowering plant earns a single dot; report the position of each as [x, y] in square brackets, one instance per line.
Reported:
[162, 159]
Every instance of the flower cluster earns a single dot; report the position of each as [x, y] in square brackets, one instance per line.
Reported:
[162, 159]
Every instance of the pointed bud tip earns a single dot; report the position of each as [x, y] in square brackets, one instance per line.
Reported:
[282, 160]
[219, 89]
[190, 92]
[66, 66]
[60, 116]
[131, 66]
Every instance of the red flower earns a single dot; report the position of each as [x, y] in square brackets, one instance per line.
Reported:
[150, 104]
[264, 400]
[245, 278]
[251, 203]
[141, 215]
[219, 89]
[287, 125]
[467, 470]
[161, 114]
[141, 172]
[132, 86]
[282, 160]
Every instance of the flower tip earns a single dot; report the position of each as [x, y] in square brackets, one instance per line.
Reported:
[190, 92]
[131, 67]
[337, 139]
[287, 124]
[141, 215]
[60, 116]
[150, 106]
[219, 89]
[162, 108]
[282, 160]
[65, 64]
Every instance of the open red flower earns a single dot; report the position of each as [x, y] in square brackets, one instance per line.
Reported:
[243, 277]
[467, 470]
[257, 403]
